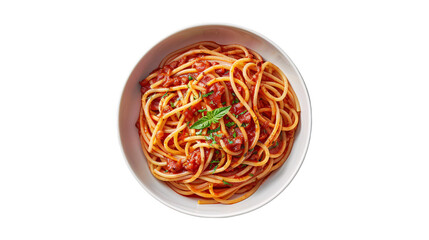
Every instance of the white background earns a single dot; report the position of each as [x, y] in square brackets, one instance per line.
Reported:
[62, 70]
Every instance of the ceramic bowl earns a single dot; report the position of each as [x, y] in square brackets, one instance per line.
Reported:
[130, 104]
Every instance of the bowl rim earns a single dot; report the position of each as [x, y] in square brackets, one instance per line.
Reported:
[306, 143]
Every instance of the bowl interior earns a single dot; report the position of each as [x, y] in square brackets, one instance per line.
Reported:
[130, 104]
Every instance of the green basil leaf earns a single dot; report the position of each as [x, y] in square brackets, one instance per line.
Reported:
[203, 122]
[211, 117]
[218, 113]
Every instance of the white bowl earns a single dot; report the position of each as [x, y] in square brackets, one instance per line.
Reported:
[130, 104]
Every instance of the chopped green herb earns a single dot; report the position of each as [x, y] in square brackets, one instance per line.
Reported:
[210, 137]
[199, 132]
[230, 124]
[243, 125]
[188, 85]
[190, 77]
[202, 110]
[213, 130]
[230, 142]
[166, 170]
[277, 143]
[188, 123]
[243, 112]
[214, 169]
[234, 134]
[165, 94]
[235, 101]
[211, 102]
[233, 94]
[226, 183]
[251, 174]
[224, 103]
[251, 150]
[217, 152]
[218, 135]
[214, 161]
[211, 117]
[208, 94]
[235, 115]
[172, 104]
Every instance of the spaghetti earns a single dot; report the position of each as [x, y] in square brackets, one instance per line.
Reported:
[216, 120]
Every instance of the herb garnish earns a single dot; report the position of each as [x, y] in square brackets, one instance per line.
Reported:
[218, 135]
[234, 134]
[214, 169]
[208, 94]
[190, 77]
[227, 183]
[165, 94]
[230, 124]
[277, 143]
[211, 117]
[214, 161]
[202, 110]
[210, 137]
[230, 142]
[213, 130]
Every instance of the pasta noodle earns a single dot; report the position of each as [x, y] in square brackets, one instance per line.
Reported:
[216, 120]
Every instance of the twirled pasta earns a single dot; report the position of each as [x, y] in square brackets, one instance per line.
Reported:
[216, 120]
